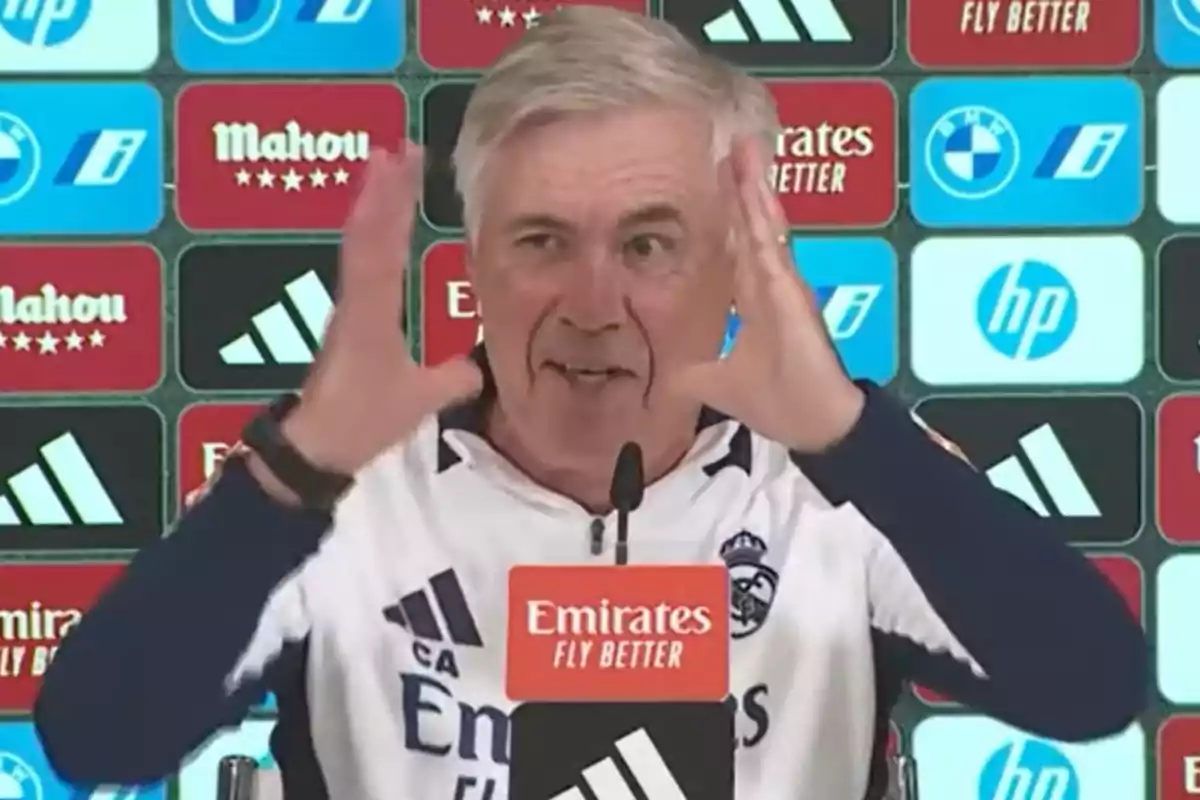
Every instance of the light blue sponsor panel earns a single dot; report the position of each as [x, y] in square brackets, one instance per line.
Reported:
[1026, 152]
[1177, 32]
[854, 282]
[967, 757]
[80, 158]
[1178, 648]
[78, 35]
[1036, 310]
[25, 774]
[293, 36]
[1178, 150]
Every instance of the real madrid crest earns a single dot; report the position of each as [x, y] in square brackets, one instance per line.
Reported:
[752, 584]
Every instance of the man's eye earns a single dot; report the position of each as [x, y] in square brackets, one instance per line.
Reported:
[539, 241]
[648, 246]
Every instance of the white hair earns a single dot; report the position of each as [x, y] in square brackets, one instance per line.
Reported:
[586, 59]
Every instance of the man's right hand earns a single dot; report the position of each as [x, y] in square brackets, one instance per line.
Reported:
[365, 392]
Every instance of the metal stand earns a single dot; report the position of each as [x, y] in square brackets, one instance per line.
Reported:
[235, 778]
[902, 778]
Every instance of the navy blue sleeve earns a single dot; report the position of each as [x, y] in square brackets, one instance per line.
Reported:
[1064, 656]
[140, 682]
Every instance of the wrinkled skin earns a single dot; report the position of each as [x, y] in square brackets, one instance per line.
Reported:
[601, 267]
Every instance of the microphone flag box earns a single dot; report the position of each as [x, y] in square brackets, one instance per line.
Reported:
[638, 633]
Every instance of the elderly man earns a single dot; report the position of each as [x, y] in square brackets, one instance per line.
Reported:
[615, 203]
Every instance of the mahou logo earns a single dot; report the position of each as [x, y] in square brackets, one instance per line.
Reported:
[207, 432]
[39, 604]
[625, 633]
[450, 320]
[835, 158]
[278, 156]
[80, 318]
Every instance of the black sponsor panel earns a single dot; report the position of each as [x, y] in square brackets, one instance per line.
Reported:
[251, 317]
[790, 34]
[1076, 460]
[1179, 308]
[81, 477]
[442, 116]
[553, 743]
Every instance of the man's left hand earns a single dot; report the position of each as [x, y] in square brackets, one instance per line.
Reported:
[783, 377]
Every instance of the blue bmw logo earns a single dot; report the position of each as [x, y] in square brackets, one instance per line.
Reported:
[972, 152]
[235, 21]
[18, 779]
[20, 158]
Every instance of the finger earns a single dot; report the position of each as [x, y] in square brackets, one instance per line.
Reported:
[768, 198]
[376, 240]
[745, 278]
[765, 232]
[453, 382]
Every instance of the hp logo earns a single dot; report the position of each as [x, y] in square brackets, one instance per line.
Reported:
[1031, 770]
[1027, 310]
[43, 23]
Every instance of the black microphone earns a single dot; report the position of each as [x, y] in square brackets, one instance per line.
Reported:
[628, 486]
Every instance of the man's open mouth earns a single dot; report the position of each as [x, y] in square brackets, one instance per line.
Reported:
[577, 373]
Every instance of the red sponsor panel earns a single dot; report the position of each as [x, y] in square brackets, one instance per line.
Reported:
[278, 156]
[85, 318]
[1122, 571]
[1178, 758]
[207, 431]
[471, 34]
[835, 160]
[39, 605]
[1126, 575]
[1178, 468]
[450, 326]
[1024, 33]
[686, 657]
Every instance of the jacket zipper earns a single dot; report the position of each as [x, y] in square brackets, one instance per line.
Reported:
[597, 531]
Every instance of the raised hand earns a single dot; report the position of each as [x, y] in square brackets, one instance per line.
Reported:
[783, 377]
[365, 392]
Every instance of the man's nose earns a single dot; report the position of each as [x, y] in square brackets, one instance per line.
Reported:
[593, 298]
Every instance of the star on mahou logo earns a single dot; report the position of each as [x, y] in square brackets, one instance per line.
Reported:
[278, 156]
[471, 34]
[508, 17]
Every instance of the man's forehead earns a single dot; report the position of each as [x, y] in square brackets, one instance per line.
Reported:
[572, 170]
[652, 141]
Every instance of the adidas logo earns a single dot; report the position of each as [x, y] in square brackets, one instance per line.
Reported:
[280, 334]
[1049, 466]
[43, 495]
[416, 614]
[772, 22]
[648, 774]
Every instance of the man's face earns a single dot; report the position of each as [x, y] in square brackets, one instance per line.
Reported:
[601, 266]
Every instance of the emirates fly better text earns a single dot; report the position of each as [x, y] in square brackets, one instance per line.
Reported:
[611, 636]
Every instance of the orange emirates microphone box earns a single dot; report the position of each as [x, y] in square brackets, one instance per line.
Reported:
[618, 633]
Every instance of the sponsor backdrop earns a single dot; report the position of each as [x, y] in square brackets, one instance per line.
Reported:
[995, 201]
